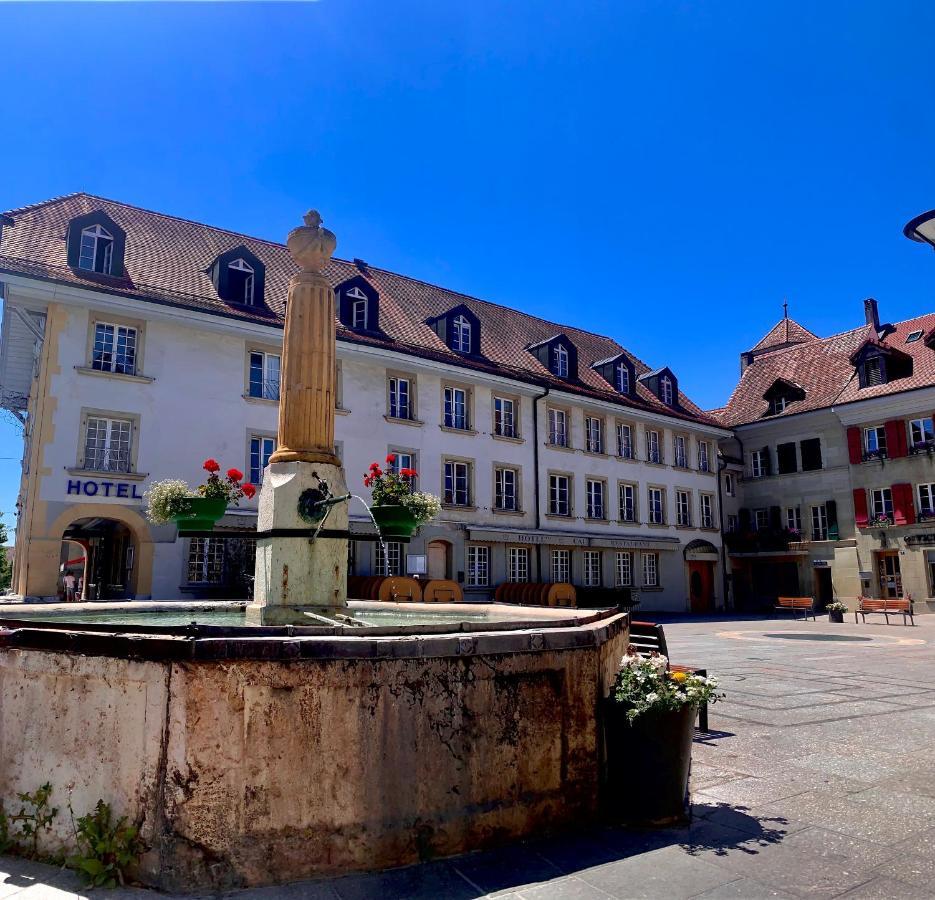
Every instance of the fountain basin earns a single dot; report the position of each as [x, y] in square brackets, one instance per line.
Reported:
[267, 754]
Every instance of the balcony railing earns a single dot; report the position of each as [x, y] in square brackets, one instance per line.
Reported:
[766, 540]
[922, 447]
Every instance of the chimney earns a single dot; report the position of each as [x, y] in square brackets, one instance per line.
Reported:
[871, 314]
[746, 359]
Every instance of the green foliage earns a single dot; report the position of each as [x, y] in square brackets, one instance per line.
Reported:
[20, 831]
[424, 507]
[106, 846]
[6, 567]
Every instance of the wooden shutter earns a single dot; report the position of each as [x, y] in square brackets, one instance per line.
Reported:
[903, 510]
[775, 518]
[831, 511]
[744, 517]
[854, 448]
[895, 439]
[767, 463]
[861, 517]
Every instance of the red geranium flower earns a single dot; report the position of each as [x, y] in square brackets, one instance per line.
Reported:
[248, 491]
[211, 465]
[391, 458]
[235, 474]
[408, 473]
[374, 467]
[368, 480]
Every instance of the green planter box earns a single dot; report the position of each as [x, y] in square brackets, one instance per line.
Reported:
[201, 514]
[394, 521]
[646, 765]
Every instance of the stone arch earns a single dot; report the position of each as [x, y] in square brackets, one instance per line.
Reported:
[700, 549]
[134, 522]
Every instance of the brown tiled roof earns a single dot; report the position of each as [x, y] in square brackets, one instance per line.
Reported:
[167, 261]
[786, 331]
[824, 369]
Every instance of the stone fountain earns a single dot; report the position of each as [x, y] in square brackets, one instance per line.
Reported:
[298, 578]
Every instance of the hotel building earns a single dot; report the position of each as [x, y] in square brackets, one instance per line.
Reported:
[135, 344]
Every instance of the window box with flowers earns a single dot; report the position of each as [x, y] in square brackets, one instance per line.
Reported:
[398, 510]
[880, 521]
[174, 501]
[649, 723]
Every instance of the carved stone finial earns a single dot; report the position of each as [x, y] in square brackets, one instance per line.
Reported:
[311, 245]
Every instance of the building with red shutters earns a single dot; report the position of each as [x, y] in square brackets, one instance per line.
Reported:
[834, 454]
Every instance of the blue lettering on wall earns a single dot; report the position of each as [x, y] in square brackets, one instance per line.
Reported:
[106, 488]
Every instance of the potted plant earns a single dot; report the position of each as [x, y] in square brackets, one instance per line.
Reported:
[397, 509]
[836, 610]
[174, 501]
[649, 723]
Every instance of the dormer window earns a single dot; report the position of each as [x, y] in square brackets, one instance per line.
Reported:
[663, 383]
[461, 334]
[618, 372]
[873, 371]
[358, 304]
[560, 361]
[780, 395]
[777, 405]
[95, 243]
[239, 277]
[97, 250]
[622, 378]
[240, 281]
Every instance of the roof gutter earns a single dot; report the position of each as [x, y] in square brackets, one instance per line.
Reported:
[537, 504]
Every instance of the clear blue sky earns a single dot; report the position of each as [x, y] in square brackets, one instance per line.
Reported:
[662, 172]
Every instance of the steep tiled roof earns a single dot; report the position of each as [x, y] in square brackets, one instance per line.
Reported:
[167, 261]
[786, 331]
[824, 369]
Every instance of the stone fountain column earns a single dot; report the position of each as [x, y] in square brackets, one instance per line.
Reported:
[295, 575]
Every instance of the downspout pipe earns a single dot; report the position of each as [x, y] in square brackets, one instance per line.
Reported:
[537, 504]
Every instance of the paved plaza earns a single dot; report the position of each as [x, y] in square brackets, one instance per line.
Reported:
[816, 781]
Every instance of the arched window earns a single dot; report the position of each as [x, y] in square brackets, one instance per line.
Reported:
[461, 335]
[622, 377]
[240, 282]
[97, 250]
[560, 360]
[359, 307]
[665, 390]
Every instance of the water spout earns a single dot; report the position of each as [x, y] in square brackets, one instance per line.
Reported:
[375, 525]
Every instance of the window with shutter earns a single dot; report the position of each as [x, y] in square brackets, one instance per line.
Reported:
[861, 516]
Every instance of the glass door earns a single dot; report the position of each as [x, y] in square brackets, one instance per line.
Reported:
[891, 581]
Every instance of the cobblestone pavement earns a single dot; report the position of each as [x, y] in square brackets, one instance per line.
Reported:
[817, 781]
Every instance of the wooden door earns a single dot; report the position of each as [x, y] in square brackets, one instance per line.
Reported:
[701, 586]
[438, 559]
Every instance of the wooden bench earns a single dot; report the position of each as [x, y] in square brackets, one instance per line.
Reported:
[649, 636]
[884, 607]
[794, 604]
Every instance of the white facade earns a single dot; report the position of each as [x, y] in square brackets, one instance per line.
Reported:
[189, 400]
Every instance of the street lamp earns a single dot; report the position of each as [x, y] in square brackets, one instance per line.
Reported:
[922, 228]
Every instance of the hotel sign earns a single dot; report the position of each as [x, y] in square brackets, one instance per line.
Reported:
[568, 540]
[95, 487]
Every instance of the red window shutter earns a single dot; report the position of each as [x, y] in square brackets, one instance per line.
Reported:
[895, 438]
[892, 439]
[860, 508]
[854, 449]
[903, 510]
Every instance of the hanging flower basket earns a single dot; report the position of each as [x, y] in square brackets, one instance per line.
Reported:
[200, 513]
[397, 509]
[394, 521]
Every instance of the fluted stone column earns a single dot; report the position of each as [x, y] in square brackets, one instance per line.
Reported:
[294, 574]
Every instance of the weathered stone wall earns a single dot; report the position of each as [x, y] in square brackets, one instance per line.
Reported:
[280, 770]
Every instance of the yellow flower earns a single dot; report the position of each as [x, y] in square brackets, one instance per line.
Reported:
[678, 676]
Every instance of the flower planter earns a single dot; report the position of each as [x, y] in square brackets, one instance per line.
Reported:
[200, 513]
[647, 765]
[394, 521]
[836, 615]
